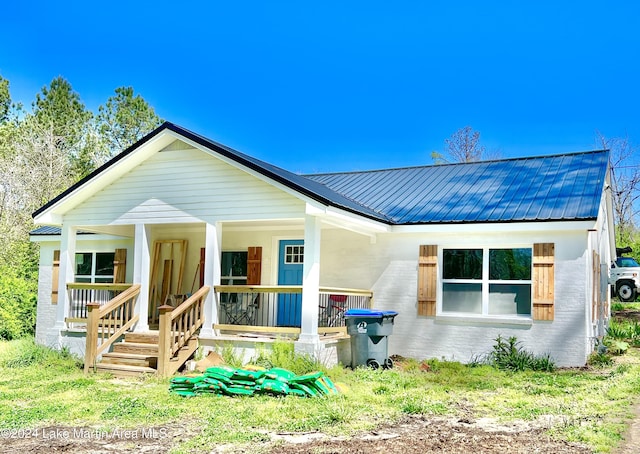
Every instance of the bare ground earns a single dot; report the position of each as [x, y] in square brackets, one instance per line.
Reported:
[414, 434]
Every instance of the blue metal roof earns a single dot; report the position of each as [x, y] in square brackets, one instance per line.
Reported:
[546, 188]
[48, 230]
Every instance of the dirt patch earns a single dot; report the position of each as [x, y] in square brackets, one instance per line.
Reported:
[632, 315]
[414, 434]
[434, 435]
[87, 440]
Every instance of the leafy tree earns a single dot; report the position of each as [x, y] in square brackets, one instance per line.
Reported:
[462, 146]
[60, 109]
[124, 119]
[5, 99]
[42, 153]
[625, 186]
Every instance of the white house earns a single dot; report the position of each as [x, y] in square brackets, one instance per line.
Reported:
[463, 252]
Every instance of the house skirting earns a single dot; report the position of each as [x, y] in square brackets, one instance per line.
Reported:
[329, 351]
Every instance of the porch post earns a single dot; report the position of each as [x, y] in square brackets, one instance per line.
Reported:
[310, 282]
[66, 273]
[141, 266]
[212, 256]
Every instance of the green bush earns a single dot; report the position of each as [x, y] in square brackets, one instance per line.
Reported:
[625, 330]
[510, 355]
[282, 354]
[17, 304]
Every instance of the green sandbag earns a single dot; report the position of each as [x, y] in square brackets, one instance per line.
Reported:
[277, 373]
[273, 387]
[220, 377]
[329, 384]
[297, 392]
[184, 393]
[232, 390]
[209, 387]
[250, 383]
[322, 389]
[304, 388]
[187, 380]
[307, 378]
[222, 370]
[215, 382]
[180, 388]
[247, 375]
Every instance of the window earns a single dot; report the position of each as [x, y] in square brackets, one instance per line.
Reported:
[94, 267]
[293, 254]
[234, 268]
[487, 281]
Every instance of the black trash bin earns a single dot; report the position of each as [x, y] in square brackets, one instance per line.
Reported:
[369, 330]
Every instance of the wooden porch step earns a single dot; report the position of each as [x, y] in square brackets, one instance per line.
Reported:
[136, 347]
[124, 370]
[130, 359]
[142, 338]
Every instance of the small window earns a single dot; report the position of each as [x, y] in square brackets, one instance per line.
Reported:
[94, 267]
[234, 268]
[294, 254]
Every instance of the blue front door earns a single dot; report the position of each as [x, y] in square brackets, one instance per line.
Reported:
[290, 273]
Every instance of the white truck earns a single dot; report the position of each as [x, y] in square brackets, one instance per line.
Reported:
[625, 277]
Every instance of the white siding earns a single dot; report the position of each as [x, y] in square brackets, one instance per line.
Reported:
[185, 186]
[45, 311]
[390, 268]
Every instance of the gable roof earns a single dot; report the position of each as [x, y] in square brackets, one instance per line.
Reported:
[548, 188]
[563, 187]
[298, 183]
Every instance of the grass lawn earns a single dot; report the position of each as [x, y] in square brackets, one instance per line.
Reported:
[41, 388]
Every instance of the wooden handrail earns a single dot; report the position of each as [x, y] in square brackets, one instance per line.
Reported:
[184, 306]
[119, 300]
[176, 328]
[105, 324]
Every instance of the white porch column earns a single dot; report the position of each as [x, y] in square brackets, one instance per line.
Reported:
[141, 273]
[66, 273]
[212, 257]
[310, 282]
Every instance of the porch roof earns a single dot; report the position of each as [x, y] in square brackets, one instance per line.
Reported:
[566, 187]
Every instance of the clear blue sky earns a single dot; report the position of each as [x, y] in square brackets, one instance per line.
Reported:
[345, 85]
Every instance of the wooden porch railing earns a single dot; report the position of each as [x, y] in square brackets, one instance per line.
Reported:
[176, 328]
[81, 294]
[106, 323]
[277, 309]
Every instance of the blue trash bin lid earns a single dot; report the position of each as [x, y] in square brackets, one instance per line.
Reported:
[369, 313]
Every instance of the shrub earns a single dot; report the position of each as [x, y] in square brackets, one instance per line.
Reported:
[600, 359]
[17, 305]
[282, 354]
[510, 355]
[625, 330]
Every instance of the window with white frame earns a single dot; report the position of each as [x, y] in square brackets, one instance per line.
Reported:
[487, 281]
[294, 254]
[94, 267]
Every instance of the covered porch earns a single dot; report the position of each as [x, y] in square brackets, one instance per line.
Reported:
[169, 265]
